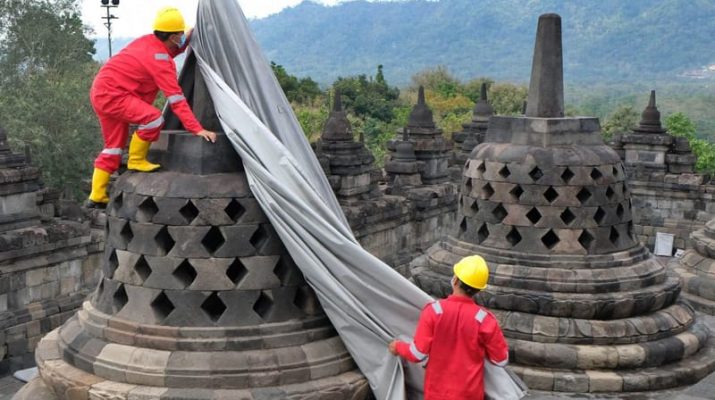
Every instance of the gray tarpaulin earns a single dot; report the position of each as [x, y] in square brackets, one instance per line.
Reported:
[368, 302]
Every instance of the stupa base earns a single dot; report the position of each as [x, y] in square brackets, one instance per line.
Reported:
[59, 380]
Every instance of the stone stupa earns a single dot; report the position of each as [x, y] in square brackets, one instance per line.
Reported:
[585, 307]
[199, 298]
[474, 132]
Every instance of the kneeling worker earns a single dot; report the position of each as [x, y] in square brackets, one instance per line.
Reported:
[123, 93]
[455, 335]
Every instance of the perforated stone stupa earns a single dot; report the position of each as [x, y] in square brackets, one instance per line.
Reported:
[585, 307]
[348, 164]
[199, 298]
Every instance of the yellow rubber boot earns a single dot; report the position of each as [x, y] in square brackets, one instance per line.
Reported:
[138, 150]
[99, 198]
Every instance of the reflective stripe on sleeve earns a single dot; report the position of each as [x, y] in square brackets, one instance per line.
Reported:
[161, 56]
[175, 98]
[480, 316]
[152, 125]
[418, 354]
[112, 152]
[437, 307]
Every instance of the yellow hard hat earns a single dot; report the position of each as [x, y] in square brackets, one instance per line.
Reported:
[169, 19]
[473, 271]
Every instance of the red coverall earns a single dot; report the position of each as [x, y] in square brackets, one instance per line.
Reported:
[456, 334]
[124, 90]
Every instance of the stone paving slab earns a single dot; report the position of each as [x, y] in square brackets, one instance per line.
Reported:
[8, 387]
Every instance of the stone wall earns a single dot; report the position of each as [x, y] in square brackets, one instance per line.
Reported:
[41, 286]
[667, 194]
[678, 204]
[397, 229]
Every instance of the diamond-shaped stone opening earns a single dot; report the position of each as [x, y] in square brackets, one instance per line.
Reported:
[474, 207]
[499, 212]
[599, 215]
[185, 273]
[236, 271]
[118, 201]
[482, 233]
[142, 268]
[513, 237]
[613, 237]
[620, 211]
[112, 264]
[536, 173]
[550, 239]
[567, 175]
[585, 239]
[284, 269]
[482, 168]
[463, 225]
[467, 185]
[263, 306]
[487, 191]
[213, 239]
[517, 191]
[615, 171]
[306, 300]
[610, 193]
[164, 241]
[624, 189]
[551, 194]
[126, 233]
[214, 307]
[533, 215]
[147, 209]
[583, 195]
[119, 299]
[596, 174]
[234, 210]
[567, 216]
[259, 238]
[162, 307]
[189, 212]
[504, 172]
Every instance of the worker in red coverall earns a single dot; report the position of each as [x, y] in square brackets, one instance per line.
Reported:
[123, 92]
[455, 335]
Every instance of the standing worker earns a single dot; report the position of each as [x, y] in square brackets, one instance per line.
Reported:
[123, 93]
[455, 335]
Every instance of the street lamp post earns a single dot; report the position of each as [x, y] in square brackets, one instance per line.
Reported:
[109, 18]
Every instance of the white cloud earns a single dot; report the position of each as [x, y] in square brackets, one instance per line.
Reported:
[135, 16]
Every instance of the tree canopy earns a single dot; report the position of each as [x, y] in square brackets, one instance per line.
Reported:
[46, 70]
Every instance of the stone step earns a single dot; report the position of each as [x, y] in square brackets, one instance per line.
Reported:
[661, 324]
[682, 373]
[699, 303]
[697, 285]
[615, 357]
[618, 304]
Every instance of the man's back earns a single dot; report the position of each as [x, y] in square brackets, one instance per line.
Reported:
[462, 335]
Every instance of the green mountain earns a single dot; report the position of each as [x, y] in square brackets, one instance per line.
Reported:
[604, 40]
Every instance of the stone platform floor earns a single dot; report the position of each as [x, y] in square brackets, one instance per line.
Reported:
[705, 390]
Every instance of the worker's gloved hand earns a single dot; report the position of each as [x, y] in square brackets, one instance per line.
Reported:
[393, 347]
[208, 135]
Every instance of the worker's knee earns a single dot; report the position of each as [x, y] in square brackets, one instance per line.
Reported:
[108, 162]
[150, 131]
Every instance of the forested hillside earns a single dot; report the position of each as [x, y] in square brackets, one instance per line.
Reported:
[604, 40]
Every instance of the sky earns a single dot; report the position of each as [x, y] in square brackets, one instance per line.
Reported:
[135, 16]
